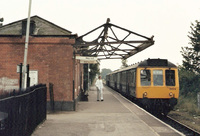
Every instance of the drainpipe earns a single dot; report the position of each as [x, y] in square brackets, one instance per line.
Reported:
[74, 80]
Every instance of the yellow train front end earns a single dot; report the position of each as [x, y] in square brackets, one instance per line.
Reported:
[157, 88]
[157, 83]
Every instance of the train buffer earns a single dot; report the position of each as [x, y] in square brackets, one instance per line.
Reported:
[115, 116]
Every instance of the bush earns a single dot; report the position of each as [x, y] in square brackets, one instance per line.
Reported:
[189, 88]
[189, 82]
[188, 104]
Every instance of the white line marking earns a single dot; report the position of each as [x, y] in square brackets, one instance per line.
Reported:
[145, 112]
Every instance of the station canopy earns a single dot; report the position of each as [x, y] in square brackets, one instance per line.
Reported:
[110, 41]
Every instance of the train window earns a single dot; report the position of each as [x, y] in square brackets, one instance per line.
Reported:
[170, 77]
[157, 77]
[145, 77]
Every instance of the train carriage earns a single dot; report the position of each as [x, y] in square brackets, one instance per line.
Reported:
[153, 82]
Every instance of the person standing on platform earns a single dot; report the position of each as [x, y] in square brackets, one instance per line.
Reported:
[99, 85]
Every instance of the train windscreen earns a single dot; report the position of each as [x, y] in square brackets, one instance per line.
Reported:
[157, 77]
[145, 77]
[170, 77]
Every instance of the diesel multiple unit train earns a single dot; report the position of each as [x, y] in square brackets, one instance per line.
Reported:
[153, 83]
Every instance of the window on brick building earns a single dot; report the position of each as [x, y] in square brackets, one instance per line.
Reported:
[32, 27]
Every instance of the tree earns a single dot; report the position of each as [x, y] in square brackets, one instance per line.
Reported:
[189, 73]
[189, 81]
[124, 63]
[104, 72]
[191, 54]
[1, 20]
[94, 70]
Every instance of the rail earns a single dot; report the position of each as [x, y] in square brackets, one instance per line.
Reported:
[180, 126]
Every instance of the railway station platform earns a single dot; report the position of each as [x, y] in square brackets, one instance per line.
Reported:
[115, 116]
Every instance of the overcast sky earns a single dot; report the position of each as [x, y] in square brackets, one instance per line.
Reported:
[168, 20]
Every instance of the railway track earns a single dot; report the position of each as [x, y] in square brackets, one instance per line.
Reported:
[179, 126]
[187, 131]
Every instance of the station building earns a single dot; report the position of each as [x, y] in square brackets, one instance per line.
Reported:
[50, 56]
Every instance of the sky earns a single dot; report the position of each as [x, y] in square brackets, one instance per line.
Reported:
[168, 20]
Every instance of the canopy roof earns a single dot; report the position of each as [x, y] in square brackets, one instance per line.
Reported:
[111, 42]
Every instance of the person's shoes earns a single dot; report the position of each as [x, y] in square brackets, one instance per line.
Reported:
[101, 100]
[97, 100]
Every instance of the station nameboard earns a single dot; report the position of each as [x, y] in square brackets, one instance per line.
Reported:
[88, 62]
[86, 58]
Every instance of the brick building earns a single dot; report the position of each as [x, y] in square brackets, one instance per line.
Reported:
[50, 56]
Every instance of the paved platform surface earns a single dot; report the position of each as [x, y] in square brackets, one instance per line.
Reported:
[115, 116]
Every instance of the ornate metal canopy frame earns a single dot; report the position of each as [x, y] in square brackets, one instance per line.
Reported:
[113, 42]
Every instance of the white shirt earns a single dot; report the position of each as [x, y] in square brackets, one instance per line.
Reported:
[99, 84]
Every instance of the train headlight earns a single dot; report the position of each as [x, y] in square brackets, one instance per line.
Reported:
[171, 94]
[144, 94]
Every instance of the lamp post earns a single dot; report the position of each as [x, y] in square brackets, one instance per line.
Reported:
[26, 46]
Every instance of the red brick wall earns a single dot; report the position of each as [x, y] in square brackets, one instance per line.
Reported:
[51, 56]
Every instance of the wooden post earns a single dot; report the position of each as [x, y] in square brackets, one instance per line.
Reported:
[52, 104]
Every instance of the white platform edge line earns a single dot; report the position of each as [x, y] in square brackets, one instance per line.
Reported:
[145, 112]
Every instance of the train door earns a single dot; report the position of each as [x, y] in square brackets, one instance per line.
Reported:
[107, 80]
[132, 82]
[115, 81]
[123, 82]
[128, 81]
[118, 81]
[111, 81]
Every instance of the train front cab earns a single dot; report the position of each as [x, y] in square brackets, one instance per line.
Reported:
[158, 84]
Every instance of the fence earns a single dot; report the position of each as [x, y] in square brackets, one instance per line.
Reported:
[22, 111]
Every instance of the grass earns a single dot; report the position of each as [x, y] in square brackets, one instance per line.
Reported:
[188, 104]
[187, 112]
